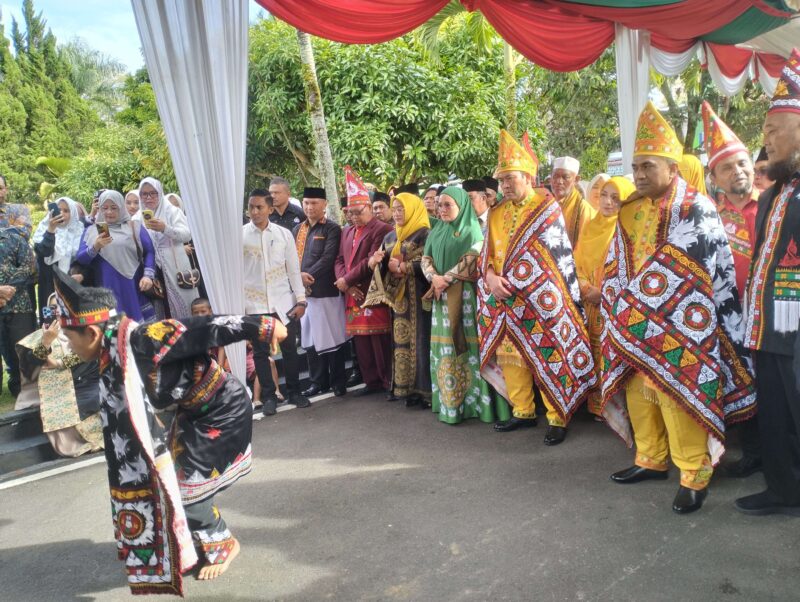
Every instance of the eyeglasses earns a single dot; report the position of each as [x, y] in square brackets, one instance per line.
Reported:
[761, 171]
[149, 195]
[358, 211]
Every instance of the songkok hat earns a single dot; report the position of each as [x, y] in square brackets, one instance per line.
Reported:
[411, 188]
[512, 156]
[654, 136]
[357, 194]
[440, 189]
[473, 186]
[312, 192]
[491, 183]
[721, 142]
[381, 196]
[75, 307]
[568, 163]
[787, 93]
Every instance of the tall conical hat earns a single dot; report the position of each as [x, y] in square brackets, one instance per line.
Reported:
[721, 142]
[357, 193]
[654, 136]
[512, 156]
[787, 93]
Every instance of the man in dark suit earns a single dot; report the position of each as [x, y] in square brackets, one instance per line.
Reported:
[370, 326]
[322, 326]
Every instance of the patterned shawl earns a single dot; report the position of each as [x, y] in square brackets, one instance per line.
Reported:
[153, 538]
[678, 320]
[542, 318]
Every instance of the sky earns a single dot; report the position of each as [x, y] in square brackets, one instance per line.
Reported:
[105, 25]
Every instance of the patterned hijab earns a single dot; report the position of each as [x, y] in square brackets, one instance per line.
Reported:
[68, 236]
[448, 242]
[416, 218]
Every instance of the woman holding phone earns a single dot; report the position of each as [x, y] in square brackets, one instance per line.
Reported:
[122, 256]
[169, 230]
[56, 242]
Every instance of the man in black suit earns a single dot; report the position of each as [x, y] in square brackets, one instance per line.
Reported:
[322, 327]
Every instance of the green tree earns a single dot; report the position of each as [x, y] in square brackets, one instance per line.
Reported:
[392, 113]
[97, 78]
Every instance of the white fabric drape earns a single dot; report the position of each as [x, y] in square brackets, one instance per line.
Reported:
[633, 84]
[196, 55]
[672, 64]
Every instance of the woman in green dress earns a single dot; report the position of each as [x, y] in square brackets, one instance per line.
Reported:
[450, 263]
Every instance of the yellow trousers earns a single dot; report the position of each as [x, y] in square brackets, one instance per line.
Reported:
[662, 429]
[519, 382]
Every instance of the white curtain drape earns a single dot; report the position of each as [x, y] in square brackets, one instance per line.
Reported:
[196, 55]
[633, 84]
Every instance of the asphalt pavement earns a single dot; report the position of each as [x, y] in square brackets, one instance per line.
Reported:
[364, 499]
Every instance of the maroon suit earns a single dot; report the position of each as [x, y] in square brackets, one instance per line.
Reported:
[369, 327]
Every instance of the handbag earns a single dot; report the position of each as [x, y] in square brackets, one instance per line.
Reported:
[157, 290]
[187, 279]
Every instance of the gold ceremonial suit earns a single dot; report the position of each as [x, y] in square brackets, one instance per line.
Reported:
[660, 426]
[577, 213]
[504, 220]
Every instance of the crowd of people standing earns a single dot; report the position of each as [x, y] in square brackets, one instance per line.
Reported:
[644, 298]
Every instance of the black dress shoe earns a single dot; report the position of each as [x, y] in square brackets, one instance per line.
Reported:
[269, 405]
[413, 400]
[355, 379]
[555, 434]
[740, 469]
[340, 391]
[514, 423]
[314, 390]
[299, 400]
[634, 474]
[761, 504]
[369, 391]
[391, 397]
[688, 500]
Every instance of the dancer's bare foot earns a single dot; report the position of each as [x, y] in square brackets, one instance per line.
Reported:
[212, 571]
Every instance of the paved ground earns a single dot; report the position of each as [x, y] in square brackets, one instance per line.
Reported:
[362, 499]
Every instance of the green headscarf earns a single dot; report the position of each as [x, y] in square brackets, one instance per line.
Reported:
[449, 242]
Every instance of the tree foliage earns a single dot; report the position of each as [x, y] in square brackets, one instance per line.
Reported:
[394, 114]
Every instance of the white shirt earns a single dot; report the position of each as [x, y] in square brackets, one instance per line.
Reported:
[272, 282]
[483, 220]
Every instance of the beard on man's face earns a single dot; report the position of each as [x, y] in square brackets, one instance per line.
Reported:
[783, 170]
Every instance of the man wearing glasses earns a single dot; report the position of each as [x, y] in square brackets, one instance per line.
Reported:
[368, 326]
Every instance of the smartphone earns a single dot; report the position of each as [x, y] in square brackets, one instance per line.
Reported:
[102, 228]
[147, 214]
[53, 209]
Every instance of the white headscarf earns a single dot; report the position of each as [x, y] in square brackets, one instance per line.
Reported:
[164, 211]
[122, 253]
[178, 198]
[138, 214]
[68, 236]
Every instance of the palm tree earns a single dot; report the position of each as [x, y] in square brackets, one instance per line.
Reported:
[97, 77]
[483, 36]
[318, 126]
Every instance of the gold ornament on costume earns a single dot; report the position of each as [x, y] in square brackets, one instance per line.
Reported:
[512, 156]
[654, 136]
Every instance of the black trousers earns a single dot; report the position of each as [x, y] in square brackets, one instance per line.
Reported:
[779, 425]
[291, 368]
[327, 370]
[13, 328]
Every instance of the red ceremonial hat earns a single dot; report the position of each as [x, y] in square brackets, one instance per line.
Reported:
[721, 142]
[356, 191]
[787, 92]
